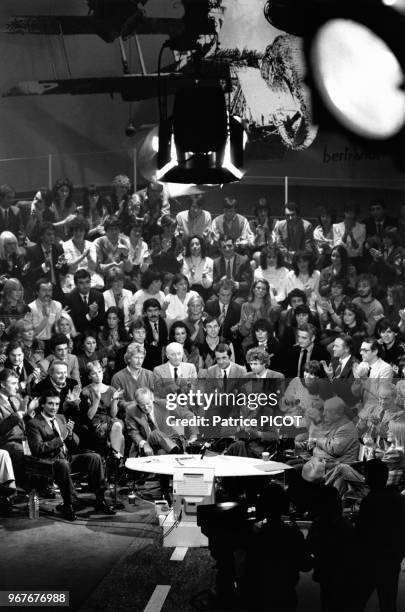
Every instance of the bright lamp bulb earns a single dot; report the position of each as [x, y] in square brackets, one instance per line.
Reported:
[359, 79]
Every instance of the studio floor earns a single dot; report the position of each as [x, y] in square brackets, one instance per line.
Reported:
[115, 564]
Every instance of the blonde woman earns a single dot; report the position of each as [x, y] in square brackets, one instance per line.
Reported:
[100, 407]
[64, 325]
[11, 257]
[12, 304]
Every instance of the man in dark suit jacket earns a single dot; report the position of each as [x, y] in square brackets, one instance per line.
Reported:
[51, 437]
[86, 305]
[378, 220]
[148, 427]
[10, 216]
[224, 308]
[156, 333]
[233, 266]
[58, 380]
[305, 351]
[340, 370]
[47, 260]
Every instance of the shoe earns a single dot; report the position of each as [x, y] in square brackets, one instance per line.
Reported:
[67, 511]
[102, 507]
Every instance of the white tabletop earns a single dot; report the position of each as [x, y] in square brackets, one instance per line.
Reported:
[224, 465]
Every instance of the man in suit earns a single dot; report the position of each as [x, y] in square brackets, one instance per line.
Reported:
[16, 361]
[293, 233]
[51, 437]
[340, 370]
[86, 305]
[340, 444]
[148, 426]
[14, 414]
[224, 308]
[232, 266]
[58, 346]
[369, 376]
[306, 350]
[156, 331]
[131, 378]
[377, 221]
[176, 375]
[10, 216]
[68, 389]
[47, 260]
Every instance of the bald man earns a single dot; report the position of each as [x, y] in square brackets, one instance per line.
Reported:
[341, 443]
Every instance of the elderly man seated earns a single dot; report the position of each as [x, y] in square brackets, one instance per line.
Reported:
[176, 375]
[150, 429]
[340, 444]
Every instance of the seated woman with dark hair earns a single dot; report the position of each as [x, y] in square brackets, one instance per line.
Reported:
[151, 287]
[168, 247]
[87, 352]
[197, 267]
[113, 338]
[323, 235]
[271, 268]
[304, 276]
[354, 324]
[302, 315]
[95, 209]
[262, 224]
[339, 268]
[263, 337]
[179, 332]
[393, 349]
[99, 408]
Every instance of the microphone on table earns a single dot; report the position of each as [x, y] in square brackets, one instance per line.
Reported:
[204, 449]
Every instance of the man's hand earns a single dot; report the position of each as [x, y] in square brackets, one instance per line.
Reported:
[93, 310]
[32, 406]
[328, 369]
[118, 393]
[69, 426]
[147, 450]
[311, 443]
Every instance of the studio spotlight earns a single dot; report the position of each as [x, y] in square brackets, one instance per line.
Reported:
[201, 142]
[355, 63]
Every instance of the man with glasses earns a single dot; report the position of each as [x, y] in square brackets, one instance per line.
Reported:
[369, 375]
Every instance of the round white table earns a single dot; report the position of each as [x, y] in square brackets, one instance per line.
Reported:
[223, 465]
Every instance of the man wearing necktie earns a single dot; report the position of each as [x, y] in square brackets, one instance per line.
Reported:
[149, 429]
[51, 437]
[10, 216]
[14, 414]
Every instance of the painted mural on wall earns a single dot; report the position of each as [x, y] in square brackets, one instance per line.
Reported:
[267, 71]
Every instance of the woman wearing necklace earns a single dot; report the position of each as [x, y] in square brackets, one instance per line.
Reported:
[341, 268]
[197, 267]
[176, 302]
[180, 333]
[99, 413]
[88, 351]
[212, 340]
[304, 276]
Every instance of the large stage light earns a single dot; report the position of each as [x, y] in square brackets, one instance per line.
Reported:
[201, 142]
[355, 55]
[359, 78]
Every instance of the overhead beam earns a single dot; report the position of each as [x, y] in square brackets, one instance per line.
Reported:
[71, 25]
[130, 87]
